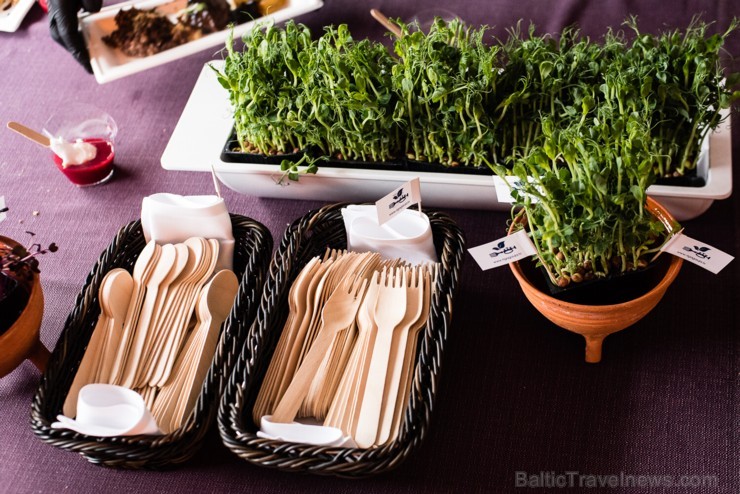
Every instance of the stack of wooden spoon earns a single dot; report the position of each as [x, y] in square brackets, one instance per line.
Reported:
[159, 328]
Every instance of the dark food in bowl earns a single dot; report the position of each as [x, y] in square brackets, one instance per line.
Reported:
[207, 16]
[245, 12]
[140, 32]
[6, 5]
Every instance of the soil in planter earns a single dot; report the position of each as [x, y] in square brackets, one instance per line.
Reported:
[426, 166]
[393, 165]
[232, 153]
[13, 299]
[615, 289]
[689, 179]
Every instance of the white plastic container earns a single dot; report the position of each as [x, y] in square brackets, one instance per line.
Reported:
[109, 64]
[206, 123]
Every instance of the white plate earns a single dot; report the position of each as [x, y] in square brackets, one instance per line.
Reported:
[11, 20]
[206, 123]
[109, 63]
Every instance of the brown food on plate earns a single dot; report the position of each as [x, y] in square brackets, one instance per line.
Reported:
[207, 16]
[141, 33]
[7, 4]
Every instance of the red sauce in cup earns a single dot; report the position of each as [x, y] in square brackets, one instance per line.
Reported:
[95, 171]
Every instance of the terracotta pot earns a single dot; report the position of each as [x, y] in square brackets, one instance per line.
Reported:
[21, 341]
[596, 322]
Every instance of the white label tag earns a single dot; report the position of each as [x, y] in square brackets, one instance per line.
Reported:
[503, 251]
[503, 187]
[2, 209]
[696, 252]
[406, 195]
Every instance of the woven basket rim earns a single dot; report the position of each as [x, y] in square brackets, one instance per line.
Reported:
[253, 248]
[299, 238]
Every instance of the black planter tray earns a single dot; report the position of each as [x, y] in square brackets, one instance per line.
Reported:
[230, 154]
[613, 289]
[689, 179]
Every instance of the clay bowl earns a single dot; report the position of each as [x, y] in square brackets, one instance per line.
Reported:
[21, 341]
[596, 322]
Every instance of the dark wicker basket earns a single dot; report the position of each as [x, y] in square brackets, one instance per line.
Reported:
[252, 250]
[307, 237]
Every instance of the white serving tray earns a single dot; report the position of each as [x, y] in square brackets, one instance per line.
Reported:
[109, 64]
[11, 19]
[206, 124]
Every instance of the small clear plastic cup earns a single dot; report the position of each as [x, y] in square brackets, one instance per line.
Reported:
[91, 125]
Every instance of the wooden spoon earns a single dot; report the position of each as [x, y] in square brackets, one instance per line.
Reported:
[115, 298]
[30, 134]
[214, 306]
[210, 258]
[87, 372]
[163, 309]
[142, 270]
[162, 268]
[178, 318]
[296, 298]
[164, 406]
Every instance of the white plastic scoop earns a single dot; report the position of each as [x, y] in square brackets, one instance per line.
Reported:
[107, 410]
[296, 432]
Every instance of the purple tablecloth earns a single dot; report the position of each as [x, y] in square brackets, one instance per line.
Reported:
[515, 394]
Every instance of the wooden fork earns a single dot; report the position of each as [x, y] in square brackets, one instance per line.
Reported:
[390, 311]
[338, 314]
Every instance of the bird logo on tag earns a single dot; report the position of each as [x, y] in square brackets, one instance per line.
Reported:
[502, 249]
[398, 198]
[698, 251]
